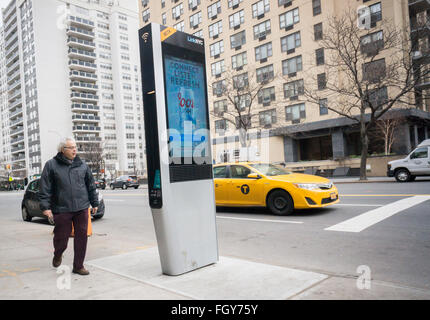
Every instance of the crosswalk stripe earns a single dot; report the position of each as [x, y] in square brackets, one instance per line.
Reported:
[367, 219]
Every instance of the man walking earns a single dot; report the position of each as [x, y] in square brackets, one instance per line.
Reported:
[66, 191]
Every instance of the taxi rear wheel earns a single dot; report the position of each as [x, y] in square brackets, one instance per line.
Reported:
[280, 203]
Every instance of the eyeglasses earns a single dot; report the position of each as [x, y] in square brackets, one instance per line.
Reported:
[72, 148]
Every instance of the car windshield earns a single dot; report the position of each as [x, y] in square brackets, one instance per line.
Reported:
[269, 169]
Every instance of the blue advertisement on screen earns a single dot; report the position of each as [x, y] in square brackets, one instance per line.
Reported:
[186, 108]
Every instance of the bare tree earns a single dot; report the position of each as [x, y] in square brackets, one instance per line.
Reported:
[239, 94]
[386, 128]
[94, 155]
[366, 73]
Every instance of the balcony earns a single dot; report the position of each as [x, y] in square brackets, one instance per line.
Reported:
[12, 65]
[15, 103]
[80, 75]
[17, 140]
[76, 85]
[81, 44]
[88, 139]
[18, 158]
[423, 84]
[80, 22]
[416, 6]
[80, 33]
[84, 107]
[82, 54]
[16, 131]
[9, 10]
[14, 95]
[11, 30]
[11, 50]
[78, 96]
[14, 85]
[84, 128]
[18, 149]
[86, 118]
[16, 122]
[15, 114]
[82, 65]
[12, 39]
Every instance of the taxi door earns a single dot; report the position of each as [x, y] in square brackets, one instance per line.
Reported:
[244, 190]
[221, 182]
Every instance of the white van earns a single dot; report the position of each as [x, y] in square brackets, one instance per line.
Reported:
[417, 163]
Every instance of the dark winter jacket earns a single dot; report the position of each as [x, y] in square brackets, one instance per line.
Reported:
[67, 186]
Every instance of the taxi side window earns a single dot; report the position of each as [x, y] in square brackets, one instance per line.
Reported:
[220, 172]
[34, 186]
[420, 153]
[239, 172]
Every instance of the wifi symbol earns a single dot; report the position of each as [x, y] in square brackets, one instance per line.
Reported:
[145, 36]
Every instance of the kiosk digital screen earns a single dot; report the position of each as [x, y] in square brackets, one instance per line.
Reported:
[187, 118]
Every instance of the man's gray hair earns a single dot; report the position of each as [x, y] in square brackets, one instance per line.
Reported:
[63, 143]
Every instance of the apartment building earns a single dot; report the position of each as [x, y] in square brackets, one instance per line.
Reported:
[72, 69]
[264, 38]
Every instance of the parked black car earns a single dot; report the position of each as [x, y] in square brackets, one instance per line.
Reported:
[30, 203]
[101, 183]
[125, 182]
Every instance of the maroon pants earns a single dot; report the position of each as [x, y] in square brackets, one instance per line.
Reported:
[62, 231]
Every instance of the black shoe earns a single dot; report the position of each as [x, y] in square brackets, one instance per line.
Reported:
[82, 272]
[56, 262]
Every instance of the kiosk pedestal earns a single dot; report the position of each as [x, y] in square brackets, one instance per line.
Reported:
[180, 181]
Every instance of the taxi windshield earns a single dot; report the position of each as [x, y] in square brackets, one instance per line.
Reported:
[269, 169]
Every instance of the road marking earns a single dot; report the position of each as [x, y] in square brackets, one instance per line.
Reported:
[367, 219]
[358, 205]
[383, 195]
[113, 200]
[259, 220]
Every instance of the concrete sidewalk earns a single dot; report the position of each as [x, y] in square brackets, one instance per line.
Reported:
[136, 275]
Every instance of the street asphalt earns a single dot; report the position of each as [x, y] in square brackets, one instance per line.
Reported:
[311, 254]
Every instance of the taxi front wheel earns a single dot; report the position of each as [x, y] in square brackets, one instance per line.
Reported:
[280, 203]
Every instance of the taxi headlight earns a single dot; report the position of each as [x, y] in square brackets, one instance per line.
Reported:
[307, 186]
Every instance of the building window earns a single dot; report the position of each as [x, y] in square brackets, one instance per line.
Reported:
[323, 107]
[220, 126]
[238, 39]
[240, 81]
[284, 2]
[293, 89]
[268, 117]
[295, 112]
[263, 52]
[218, 88]
[242, 101]
[289, 18]
[374, 71]
[239, 60]
[220, 107]
[266, 95]
[291, 66]
[163, 3]
[372, 43]
[164, 18]
[192, 4]
[260, 8]
[198, 34]
[319, 53]
[195, 20]
[214, 10]
[375, 13]
[145, 15]
[236, 19]
[316, 7]
[179, 26]
[215, 29]
[232, 3]
[265, 74]
[218, 68]
[262, 29]
[318, 31]
[322, 82]
[177, 11]
[217, 48]
[290, 42]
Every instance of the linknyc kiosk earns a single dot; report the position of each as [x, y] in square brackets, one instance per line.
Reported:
[178, 151]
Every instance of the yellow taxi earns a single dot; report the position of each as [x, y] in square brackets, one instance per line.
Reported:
[256, 184]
